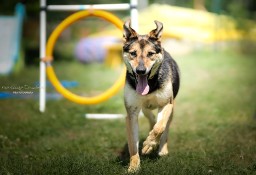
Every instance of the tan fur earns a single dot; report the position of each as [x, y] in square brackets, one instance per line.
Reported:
[161, 99]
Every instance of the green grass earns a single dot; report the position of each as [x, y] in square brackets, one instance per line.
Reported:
[213, 131]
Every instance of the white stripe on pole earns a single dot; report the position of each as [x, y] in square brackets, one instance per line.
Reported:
[134, 15]
[85, 7]
[104, 116]
[42, 90]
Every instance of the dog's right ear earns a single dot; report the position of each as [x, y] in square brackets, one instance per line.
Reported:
[128, 32]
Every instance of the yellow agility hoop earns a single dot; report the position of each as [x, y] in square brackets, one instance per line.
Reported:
[49, 50]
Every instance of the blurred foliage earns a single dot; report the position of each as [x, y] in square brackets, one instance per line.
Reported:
[235, 8]
[239, 9]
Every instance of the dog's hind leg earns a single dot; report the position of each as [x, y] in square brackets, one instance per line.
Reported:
[133, 138]
[150, 116]
[163, 121]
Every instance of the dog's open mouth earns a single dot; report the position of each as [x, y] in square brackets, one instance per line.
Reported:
[142, 86]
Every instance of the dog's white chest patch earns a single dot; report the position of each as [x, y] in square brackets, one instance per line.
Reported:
[159, 98]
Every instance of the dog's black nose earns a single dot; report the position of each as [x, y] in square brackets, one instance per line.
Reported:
[140, 70]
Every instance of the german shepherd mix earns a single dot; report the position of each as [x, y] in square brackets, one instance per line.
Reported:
[152, 82]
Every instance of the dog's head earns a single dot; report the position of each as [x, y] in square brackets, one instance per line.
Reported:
[142, 54]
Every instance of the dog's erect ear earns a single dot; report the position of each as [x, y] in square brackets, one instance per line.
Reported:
[157, 33]
[128, 31]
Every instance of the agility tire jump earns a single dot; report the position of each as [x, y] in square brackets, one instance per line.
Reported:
[118, 84]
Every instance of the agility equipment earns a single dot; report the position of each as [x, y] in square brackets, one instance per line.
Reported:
[49, 50]
[104, 116]
[132, 6]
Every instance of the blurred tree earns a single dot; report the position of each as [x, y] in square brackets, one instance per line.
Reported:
[199, 4]
[239, 9]
[87, 1]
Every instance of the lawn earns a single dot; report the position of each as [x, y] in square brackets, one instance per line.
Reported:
[213, 131]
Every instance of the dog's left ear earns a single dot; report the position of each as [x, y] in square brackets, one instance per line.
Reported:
[157, 33]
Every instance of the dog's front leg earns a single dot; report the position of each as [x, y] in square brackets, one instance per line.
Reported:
[160, 129]
[133, 137]
[150, 116]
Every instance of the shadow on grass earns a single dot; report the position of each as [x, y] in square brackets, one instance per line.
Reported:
[124, 157]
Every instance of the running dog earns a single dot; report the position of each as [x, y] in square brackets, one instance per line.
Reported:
[152, 82]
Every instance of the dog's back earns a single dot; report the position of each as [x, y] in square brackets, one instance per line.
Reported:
[175, 73]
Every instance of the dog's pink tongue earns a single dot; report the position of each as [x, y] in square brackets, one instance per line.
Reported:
[142, 86]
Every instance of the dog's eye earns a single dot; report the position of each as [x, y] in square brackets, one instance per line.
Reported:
[133, 53]
[150, 54]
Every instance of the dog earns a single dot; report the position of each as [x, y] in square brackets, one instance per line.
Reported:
[152, 82]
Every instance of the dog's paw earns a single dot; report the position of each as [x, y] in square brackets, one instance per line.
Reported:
[163, 150]
[134, 164]
[149, 145]
[162, 153]
[133, 170]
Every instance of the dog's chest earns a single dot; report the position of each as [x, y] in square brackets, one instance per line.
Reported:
[157, 99]
[150, 102]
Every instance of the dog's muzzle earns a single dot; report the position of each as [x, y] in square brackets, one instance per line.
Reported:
[140, 70]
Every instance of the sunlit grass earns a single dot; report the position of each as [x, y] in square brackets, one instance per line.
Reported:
[213, 130]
